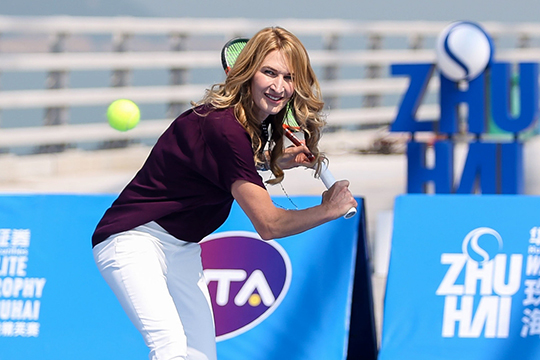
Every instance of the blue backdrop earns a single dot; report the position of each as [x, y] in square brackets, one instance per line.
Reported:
[55, 305]
[463, 281]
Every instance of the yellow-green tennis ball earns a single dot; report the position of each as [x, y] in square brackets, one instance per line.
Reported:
[123, 114]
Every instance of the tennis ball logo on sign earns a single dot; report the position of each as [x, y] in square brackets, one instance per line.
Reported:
[247, 279]
[482, 244]
[464, 50]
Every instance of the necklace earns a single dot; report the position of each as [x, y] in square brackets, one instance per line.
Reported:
[288, 197]
[264, 130]
[265, 135]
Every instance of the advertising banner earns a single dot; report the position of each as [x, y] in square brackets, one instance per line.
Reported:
[53, 302]
[463, 281]
[284, 299]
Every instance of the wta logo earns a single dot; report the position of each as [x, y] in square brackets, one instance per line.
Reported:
[247, 279]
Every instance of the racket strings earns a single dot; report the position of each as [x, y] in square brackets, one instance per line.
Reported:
[232, 51]
[290, 119]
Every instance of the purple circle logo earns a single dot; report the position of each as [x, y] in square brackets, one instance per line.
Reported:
[247, 278]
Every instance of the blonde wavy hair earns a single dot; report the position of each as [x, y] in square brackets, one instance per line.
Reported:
[306, 101]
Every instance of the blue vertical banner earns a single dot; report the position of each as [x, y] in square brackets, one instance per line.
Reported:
[291, 298]
[464, 279]
[283, 299]
[53, 302]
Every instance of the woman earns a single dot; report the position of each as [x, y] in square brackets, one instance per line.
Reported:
[146, 244]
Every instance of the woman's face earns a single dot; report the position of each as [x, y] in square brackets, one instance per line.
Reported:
[272, 85]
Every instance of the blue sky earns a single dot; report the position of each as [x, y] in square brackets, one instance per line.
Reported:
[477, 10]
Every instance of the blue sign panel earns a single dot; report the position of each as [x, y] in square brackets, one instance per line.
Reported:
[464, 279]
[53, 302]
[284, 299]
[312, 318]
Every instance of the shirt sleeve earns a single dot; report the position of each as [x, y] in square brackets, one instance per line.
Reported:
[231, 148]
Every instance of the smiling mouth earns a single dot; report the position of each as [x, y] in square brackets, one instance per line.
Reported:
[273, 98]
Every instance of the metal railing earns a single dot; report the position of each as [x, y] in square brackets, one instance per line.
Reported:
[180, 55]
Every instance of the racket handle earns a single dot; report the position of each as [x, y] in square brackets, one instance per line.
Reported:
[289, 134]
[326, 176]
[328, 180]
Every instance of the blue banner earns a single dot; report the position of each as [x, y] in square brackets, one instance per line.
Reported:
[312, 320]
[464, 279]
[53, 302]
[284, 299]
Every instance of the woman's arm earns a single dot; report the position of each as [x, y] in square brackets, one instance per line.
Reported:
[272, 222]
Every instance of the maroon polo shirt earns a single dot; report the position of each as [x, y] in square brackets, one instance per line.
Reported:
[185, 184]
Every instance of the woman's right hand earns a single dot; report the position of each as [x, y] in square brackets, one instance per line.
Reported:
[272, 222]
[339, 199]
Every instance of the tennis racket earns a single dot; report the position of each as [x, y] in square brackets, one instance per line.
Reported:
[230, 52]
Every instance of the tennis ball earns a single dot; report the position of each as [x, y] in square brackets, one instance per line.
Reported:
[123, 114]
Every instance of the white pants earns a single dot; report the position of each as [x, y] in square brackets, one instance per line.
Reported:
[159, 282]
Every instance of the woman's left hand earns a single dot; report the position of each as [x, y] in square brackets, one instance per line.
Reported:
[294, 156]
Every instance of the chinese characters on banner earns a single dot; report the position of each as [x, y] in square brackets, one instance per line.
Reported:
[531, 313]
[20, 295]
